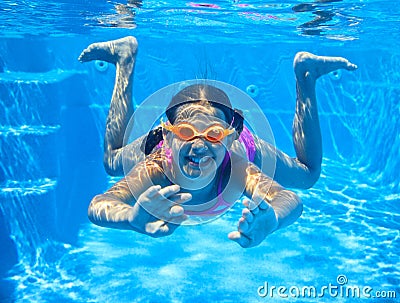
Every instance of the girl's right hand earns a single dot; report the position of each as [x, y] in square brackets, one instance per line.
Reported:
[158, 212]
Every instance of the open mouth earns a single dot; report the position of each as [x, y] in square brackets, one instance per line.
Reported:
[195, 161]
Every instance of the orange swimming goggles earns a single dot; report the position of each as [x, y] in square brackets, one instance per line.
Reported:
[186, 131]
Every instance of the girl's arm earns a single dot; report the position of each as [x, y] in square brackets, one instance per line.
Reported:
[268, 208]
[259, 187]
[113, 208]
[138, 204]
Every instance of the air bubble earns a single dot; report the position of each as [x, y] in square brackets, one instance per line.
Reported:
[101, 66]
[252, 90]
[335, 75]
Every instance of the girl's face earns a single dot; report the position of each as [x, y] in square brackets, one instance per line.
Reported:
[199, 158]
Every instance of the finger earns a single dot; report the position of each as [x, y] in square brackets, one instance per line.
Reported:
[168, 191]
[264, 205]
[253, 207]
[153, 227]
[248, 215]
[163, 206]
[243, 225]
[239, 238]
[250, 204]
[246, 202]
[170, 226]
[180, 198]
[258, 197]
[176, 211]
[255, 211]
[153, 190]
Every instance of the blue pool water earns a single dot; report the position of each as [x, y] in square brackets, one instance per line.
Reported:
[52, 117]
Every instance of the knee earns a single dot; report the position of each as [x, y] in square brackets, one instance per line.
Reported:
[110, 167]
[311, 177]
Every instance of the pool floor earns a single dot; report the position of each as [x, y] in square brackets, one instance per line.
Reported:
[348, 229]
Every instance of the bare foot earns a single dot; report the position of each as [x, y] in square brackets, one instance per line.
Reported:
[309, 65]
[255, 224]
[115, 51]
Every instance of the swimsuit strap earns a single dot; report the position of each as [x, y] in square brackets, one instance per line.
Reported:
[247, 139]
[221, 200]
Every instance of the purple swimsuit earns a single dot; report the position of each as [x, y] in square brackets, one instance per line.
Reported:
[247, 139]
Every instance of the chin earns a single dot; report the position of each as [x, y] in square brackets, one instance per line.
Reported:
[194, 172]
[190, 172]
[193, 175]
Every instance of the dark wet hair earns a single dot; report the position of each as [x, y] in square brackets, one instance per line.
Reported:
[204, 94]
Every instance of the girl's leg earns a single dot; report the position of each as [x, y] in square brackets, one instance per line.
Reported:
[304, 170]
[122, 53]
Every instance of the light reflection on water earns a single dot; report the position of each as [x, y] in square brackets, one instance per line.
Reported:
[333, 19]
[350, 224]
[337, 234]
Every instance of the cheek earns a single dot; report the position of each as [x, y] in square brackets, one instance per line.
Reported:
[219, 151]
[228, 141]
[178, 147]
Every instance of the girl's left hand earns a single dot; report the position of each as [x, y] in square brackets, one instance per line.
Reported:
[256, 223]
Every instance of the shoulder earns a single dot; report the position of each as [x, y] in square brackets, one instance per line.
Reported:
[237, 160]
[236, 172]
[150, 171]
[243, 168]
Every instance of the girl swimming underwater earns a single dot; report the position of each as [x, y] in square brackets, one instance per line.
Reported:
[192, 165]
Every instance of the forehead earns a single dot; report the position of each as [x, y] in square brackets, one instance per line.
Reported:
[200, 112]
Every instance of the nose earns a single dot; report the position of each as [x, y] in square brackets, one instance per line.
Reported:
[199, 145]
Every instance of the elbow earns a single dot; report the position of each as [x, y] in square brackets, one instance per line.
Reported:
[92, 209]
[304, 178]
[90, 212]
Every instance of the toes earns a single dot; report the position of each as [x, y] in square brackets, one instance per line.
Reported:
[351, 66]
[84, 56]
[344, 63]
[103, 51]
[89, 54]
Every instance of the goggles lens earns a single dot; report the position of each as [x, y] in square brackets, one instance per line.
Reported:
[187, 132]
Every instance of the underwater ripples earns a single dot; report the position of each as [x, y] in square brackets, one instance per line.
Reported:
[255, 20]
